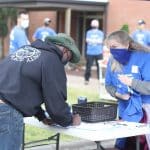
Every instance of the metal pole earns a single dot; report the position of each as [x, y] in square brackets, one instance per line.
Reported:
[99, 146]
[57, 141]
[23, 137]
[137, 143]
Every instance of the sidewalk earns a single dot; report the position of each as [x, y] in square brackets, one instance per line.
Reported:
[76, 79]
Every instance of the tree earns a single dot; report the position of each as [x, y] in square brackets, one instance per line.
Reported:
[5, 14]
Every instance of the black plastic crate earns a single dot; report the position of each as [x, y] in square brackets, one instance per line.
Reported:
[96, 111]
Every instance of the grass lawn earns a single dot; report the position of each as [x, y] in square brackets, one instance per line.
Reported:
[34, 133]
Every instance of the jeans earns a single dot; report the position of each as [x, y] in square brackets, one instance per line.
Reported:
[11, 128]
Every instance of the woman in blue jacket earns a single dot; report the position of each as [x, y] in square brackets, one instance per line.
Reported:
[128, 60]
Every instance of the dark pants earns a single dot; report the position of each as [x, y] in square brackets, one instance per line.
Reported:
[89, 63]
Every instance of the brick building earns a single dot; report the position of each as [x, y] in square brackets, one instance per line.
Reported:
[73, 16]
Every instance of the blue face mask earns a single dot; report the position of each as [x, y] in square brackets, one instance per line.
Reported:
[122, 55]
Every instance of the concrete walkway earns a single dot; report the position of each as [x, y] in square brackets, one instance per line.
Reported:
[94, 84]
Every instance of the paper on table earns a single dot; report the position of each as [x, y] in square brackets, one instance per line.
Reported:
[113, 125]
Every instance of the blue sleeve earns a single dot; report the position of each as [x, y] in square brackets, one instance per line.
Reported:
[120, 87]
[111, 80]
[109, 86]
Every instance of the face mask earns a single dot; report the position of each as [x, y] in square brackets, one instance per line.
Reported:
[25, 24]
[122, 55]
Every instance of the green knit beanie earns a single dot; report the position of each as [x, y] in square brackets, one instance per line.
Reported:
[63, 39]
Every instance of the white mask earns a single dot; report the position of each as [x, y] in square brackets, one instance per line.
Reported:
[25, 24]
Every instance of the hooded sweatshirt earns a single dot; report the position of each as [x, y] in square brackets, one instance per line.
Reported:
[35, 75]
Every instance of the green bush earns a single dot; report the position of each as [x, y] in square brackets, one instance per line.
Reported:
[3, 28]
[125, 27]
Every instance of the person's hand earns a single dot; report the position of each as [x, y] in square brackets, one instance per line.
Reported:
[125, 80]
[122, 96]
[48, 121]
[76, 120]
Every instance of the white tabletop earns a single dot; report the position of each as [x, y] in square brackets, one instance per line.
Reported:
[97, 131]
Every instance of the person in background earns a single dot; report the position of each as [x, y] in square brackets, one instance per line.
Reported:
[18, 36]
[44, 31]
[94, 41]
[32, 76]
[123, 64]
[141, 35]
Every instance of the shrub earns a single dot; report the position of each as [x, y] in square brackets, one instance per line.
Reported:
[125, 27]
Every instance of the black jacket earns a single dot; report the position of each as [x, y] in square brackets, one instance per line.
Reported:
[35, 75]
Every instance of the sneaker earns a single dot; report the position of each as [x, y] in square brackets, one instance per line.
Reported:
[86, 82]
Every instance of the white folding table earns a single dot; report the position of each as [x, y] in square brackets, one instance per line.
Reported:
[98, 132]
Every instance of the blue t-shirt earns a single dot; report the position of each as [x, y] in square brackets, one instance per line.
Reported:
[94, 38]
[18, 38]
[138, 68]
[43, 32]
[142, 37]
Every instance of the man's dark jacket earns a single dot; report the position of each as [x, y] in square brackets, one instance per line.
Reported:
[35, 75]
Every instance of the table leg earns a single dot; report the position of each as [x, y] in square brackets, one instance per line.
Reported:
[137, 143]
[57, 141]
[23, 137]
[99, 146]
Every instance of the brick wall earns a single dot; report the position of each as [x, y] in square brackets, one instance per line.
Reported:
[37, 18]
[119, 12]
[127, 12]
